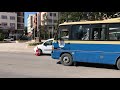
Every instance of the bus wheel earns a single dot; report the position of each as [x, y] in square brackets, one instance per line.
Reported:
[118, 64]
[66, 59]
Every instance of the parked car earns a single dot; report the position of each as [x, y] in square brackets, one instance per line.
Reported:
[44, 48]
[9, 39]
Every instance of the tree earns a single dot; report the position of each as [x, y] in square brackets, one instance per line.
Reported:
[1, 35]
[25, 30]
[45, 19]
[77, 16]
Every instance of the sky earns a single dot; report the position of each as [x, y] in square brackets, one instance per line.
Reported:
[26, 15]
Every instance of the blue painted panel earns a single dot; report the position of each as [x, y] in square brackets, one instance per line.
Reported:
[109, 58]
[95, 53]
[83, 56]
[55, 54]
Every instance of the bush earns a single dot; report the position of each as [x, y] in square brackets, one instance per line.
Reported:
[23, 37]
[1, 36]
[34, 44]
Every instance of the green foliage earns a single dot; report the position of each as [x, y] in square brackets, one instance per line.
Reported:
[25, 30]
[34, 44]
[44, 33]
[1, 36]
[23, 37]
[77, 16]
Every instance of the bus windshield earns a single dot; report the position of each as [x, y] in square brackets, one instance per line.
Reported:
[64, 32]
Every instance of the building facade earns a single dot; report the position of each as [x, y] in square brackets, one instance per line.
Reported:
[8, 23]
[30, 20]
[20, 24]
[11, 24]
[47, 19]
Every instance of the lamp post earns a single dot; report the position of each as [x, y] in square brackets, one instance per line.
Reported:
[52, 25]
[39, 27]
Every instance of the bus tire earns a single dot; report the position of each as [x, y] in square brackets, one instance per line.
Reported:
[66, 59]
[118, 64]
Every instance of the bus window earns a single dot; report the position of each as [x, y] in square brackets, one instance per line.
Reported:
[79, 32]
[114, 33]
[98, 34]
[86, 34]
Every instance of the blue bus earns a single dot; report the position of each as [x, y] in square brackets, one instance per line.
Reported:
[88, 41]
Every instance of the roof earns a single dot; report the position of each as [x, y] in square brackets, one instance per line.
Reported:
[113, 20]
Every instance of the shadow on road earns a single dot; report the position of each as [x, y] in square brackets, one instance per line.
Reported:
[96, 65]
[45, 55]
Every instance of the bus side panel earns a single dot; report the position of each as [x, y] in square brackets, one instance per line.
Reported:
[55, 54]
[109, 58]
[82, 56]
[96, 53]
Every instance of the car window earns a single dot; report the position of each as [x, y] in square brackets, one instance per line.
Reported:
[48, 42]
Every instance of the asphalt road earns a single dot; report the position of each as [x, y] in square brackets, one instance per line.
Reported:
[27, 65]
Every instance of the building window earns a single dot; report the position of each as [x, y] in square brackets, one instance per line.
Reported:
[50, 20]
[50, 14]
[50, 27]
[12, 18]
[4, 17]
[54, 14]
[55, 21]
[4, 23]
[12, 25]
[20, 26]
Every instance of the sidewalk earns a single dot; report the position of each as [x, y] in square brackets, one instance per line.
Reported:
[16, 47]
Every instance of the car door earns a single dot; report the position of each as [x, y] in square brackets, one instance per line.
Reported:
[47, 46]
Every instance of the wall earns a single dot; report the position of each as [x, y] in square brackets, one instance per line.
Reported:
[8, 18]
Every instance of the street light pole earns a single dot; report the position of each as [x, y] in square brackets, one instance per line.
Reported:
[52, 25]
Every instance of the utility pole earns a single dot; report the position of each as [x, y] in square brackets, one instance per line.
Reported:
[52, 25]
[39, 32]
[40, 27]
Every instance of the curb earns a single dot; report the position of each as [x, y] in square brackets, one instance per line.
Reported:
[16, 51]
[30, 46]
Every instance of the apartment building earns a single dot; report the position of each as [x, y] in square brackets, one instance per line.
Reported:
[49, 19]
[30, 20]
[10, 24]
[20, 24]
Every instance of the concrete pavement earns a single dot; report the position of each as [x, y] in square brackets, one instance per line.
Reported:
[16, 47]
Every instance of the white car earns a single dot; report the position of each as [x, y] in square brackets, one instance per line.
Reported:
[9, 39]
[44, 48]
